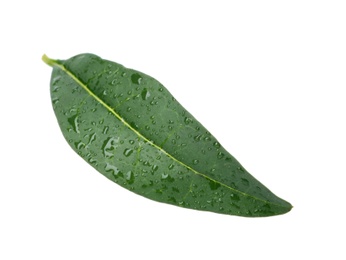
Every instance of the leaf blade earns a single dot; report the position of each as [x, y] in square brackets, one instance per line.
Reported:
[209, 180]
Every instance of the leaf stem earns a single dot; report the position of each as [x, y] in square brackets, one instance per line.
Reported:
[48, 61]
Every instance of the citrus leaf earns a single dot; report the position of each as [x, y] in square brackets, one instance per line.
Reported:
[128, 126]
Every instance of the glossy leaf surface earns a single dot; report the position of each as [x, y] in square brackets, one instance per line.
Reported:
[128, 126]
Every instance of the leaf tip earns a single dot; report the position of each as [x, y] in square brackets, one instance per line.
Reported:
[47, 60]
[285, 208]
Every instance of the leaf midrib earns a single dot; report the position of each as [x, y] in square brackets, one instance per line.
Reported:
[56, 63]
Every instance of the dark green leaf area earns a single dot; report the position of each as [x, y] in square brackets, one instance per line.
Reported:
[155, 148]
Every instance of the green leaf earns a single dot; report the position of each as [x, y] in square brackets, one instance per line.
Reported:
[128, 126]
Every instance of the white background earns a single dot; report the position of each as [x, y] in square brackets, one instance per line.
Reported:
[267, 78]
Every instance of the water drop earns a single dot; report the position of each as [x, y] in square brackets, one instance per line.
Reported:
[146, 163]
[56, 80]
[220, 155]
[214, 185]
[128, 152]
[245, 182]
[55, 101]
[171, 166]
[195, 161]
[92, 161]
[130, 178]
[235, 197]
[240, 169]
[187, 120]
[79, 145]
[105, 130]
[109, 146]
[198, 138]
[92, 138]
[73, 120]
[136, 78]
[207, 138]
[145, 94]
[216, 144]
[134, 125]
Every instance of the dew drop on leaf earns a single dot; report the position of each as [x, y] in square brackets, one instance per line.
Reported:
[128, 152]
[79, 145]
[187, 120]
[235, 197]
[245, 182]
[130, 178]
[216, 144]
[220, 155]
[109, 146]
[136, 78]
[214, 185]
[92, 161]
[207, 138]
[105, 130]
[145, 94]
[198, 138]
[73, 120]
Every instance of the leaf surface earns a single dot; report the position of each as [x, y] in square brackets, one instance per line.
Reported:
[128, 126]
